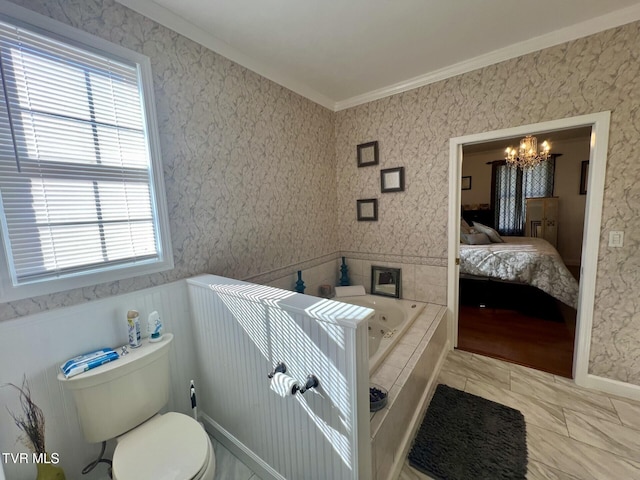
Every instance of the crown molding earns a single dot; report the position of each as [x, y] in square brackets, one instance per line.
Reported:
[182, 26]
[589, 27]
[557, 37]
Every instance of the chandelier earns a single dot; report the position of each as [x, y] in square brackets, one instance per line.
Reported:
[528, 156]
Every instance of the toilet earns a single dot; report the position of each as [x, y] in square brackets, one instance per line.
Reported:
[122, 400]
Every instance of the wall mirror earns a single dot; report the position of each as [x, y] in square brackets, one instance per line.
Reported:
[385, 281]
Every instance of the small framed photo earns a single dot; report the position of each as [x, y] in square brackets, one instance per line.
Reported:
[392, 180]
[584, 177]
[367, 154]
[368, 210]
[466, 183]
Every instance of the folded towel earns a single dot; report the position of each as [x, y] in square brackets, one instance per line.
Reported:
[87, 361]
[352, 291]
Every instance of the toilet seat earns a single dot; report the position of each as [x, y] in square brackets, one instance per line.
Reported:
[172, 446]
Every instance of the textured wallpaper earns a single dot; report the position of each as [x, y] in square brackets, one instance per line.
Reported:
[249, 166]
[600, 72]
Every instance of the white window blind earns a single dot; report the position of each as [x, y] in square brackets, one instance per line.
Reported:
[75, 169]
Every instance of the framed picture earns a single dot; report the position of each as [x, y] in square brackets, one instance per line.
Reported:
[367, 154]
[584, 177]
[392, 180]
[368, 210]
[466, 183]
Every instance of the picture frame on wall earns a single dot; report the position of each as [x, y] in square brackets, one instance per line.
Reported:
[392, 180]
[368, 154]
[466, 183]
[367, 210]
[584, 177]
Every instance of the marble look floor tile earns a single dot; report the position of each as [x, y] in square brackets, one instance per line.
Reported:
[535, 411]
[540, 471]
[576, 458]
[532, 372]
[569, 382]
[628, 411]
[477, 368]
[614, 438]
[589, 402]
[228, 467]
[452, 380]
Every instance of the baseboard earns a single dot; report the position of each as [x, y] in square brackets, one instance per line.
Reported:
[237, 448]
[429, 390]
[612, 387]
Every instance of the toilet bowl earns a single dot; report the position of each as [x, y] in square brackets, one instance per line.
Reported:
[121, 399]
[167, 447]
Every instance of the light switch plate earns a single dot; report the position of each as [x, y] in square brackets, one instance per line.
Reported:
[616, 238]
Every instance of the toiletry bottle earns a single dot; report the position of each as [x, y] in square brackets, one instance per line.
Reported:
[154, 327]
[133, 323]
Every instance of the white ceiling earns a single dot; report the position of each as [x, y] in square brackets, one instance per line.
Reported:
[341, 53]
[580, 133]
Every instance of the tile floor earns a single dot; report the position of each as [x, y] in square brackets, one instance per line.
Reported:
[572, 433]
[228, 467]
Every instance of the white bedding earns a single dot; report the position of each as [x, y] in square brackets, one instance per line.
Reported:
[528, 260]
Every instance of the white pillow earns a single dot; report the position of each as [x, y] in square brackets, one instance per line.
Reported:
[464, 226]
[489, 232]
[474, 239]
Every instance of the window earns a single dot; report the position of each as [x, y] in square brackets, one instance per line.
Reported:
[81, 190]
[512, 186]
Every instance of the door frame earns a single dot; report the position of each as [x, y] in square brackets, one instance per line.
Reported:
[599, 123]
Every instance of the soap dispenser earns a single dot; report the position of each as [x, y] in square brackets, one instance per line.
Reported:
[154, 327]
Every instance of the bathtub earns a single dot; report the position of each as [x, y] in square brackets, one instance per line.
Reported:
[392, 319]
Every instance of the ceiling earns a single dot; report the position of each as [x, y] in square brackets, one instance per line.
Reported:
[580, 133]
[341, 53]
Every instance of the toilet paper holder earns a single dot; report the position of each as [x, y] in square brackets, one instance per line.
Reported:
[280, 368]
[311, 382]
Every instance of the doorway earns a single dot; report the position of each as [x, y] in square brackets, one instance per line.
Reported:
[514, 314]
[599, 125]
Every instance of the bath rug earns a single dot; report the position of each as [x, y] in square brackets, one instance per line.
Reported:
[466, 437]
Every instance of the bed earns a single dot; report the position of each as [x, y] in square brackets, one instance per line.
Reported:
[523, 260]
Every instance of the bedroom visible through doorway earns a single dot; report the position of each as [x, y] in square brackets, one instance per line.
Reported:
[518, 298]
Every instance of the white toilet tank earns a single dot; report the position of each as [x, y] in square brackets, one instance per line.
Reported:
[120, 395]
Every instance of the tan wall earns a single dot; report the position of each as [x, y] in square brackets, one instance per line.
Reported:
[593, 74]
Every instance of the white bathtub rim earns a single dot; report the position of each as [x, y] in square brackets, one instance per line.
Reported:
[411, 309]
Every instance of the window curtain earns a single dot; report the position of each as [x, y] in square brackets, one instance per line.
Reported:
[512, 186]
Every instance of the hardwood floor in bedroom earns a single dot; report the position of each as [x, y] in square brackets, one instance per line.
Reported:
[512, 336]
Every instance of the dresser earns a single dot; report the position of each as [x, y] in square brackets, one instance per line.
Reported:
[542, 219]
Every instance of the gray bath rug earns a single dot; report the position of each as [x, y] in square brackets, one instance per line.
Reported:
[465, 437]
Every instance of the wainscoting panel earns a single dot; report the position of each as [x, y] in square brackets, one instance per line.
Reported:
[241, 332]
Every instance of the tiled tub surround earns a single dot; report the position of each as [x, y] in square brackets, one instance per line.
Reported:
[423, 279]
[409, 373]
